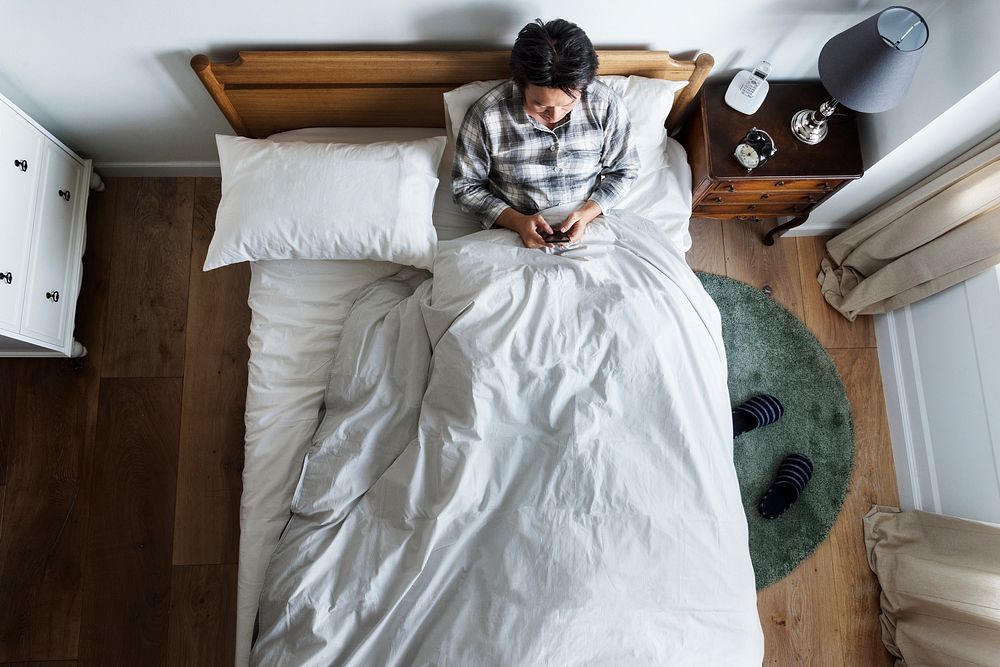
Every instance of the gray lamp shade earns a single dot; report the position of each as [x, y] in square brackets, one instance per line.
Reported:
[869, 67]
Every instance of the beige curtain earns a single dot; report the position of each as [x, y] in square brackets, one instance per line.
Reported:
[940, 580]
[942, 231]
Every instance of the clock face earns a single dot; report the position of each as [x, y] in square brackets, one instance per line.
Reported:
[747, 155]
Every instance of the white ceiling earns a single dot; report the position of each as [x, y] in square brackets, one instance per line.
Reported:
[111, 78]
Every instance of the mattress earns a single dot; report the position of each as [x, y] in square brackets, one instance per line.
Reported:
[299, 307]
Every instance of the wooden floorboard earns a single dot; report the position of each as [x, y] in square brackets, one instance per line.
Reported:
[151, 252]
[44, 520]
[203, 615]
[126, 583]
[209, 480]
[119, 510]
[708, 252]
[801, 626]
[8, 398]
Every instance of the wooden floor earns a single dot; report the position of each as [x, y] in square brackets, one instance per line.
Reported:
[120, 476]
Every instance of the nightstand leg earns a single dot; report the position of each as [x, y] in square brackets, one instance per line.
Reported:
[777, 231]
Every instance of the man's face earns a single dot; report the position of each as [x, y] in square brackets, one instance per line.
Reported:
[548, 105]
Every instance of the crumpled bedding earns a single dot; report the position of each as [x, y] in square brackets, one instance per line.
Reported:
[524, 460]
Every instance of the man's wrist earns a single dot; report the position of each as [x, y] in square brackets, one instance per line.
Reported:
[593, 206]
[506, 219]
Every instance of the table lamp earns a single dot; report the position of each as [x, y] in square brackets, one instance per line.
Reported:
[867, 68]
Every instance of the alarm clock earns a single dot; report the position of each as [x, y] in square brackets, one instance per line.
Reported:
[755, 149]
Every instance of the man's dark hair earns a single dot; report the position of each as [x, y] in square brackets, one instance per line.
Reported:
[557, 54]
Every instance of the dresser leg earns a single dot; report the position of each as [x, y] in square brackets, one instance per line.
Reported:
[780, 229]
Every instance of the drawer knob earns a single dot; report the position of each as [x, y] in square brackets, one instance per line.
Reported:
[778, 184]
[6, 278]
[64, 194]
[810, 199]
[52, 296]
[824, 186]
[751, 207]
[731, 188]
[21, 164]
[765, 196]
[718, 200]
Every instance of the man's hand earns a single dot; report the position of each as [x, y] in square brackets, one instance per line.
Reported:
[577, 221]
[527, 226]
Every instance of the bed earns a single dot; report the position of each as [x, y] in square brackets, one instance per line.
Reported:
[300, 309]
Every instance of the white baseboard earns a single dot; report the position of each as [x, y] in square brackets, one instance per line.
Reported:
[150, 169]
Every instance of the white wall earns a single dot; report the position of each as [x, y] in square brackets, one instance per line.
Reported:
[111, 77]
[950, 107]
[941, 372]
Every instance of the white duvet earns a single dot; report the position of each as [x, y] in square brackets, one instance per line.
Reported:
[526, 460]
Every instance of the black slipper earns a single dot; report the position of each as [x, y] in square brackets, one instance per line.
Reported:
[793, 475]
[756, 412]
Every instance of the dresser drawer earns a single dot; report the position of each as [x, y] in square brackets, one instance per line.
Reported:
[20, 152]
[48, 294]
[771, 185]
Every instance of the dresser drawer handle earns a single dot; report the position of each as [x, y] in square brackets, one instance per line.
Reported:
[765, 196]
[52, 296]
[21, 164]
[6, 278]
[810, 199]
[731, 188]
[778, 184]
[751, 207]
[824, 186]
[717, 200]
[64, 194]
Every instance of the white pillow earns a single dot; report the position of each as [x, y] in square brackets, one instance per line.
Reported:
[326, 201]
[450, 221]
[647, 101]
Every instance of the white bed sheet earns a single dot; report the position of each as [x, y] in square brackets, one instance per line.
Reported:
[299, 307]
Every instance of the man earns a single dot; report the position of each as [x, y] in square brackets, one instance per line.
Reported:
[550, 135]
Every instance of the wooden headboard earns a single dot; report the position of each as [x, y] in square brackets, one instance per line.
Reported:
[263, 92]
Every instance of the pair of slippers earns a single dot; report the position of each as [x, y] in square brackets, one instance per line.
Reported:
[795, 470]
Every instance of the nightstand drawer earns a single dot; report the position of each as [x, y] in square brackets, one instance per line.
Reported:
[767, 185]
[769, 197]
[765, 210]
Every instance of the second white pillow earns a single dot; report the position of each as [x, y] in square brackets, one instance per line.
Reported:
[326, 201]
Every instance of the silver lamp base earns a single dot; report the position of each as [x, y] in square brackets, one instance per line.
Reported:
[809, 126]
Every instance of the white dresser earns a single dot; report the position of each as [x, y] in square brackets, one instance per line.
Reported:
[43, 206]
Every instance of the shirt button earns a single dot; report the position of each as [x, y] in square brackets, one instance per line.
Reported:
[558, 170]
[554, 148]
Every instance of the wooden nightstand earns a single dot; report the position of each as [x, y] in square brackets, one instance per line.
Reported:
[792, 183]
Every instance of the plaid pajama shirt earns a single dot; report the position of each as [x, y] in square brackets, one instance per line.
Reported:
[504, 157]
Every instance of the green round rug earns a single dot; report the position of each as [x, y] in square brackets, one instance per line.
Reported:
[770, 351]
